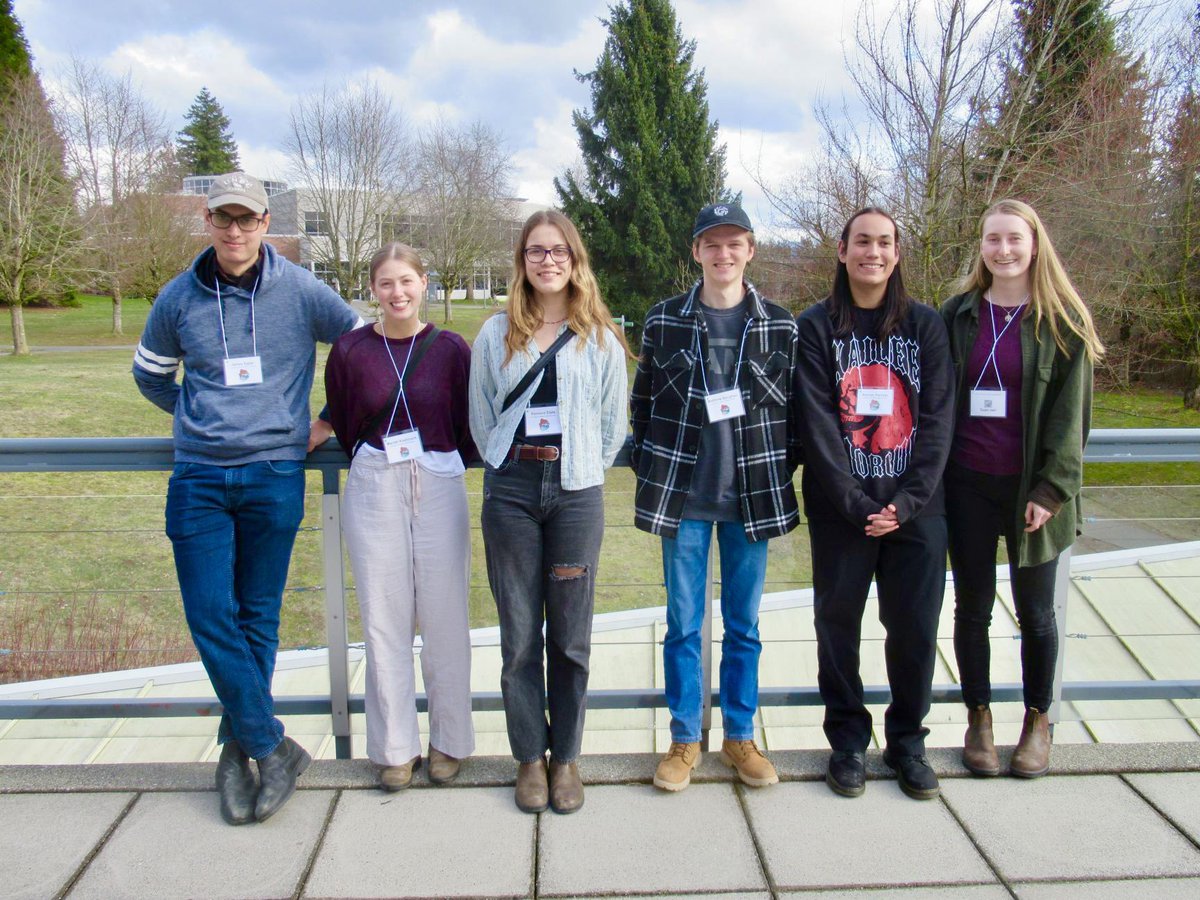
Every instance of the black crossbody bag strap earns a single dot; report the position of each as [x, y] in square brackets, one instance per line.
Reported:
[541, 363]
[380, 414]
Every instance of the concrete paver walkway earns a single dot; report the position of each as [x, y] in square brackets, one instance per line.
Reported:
[1112, 821]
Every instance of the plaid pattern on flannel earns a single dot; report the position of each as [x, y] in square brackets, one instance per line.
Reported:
[667, 412]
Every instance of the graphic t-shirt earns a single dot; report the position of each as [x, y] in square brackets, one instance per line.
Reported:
[714, 491]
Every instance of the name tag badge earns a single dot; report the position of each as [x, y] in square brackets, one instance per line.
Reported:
[243, 370]
[725, 405]
[541, 421]
[873, 402]
[988, 404]
[403, 446]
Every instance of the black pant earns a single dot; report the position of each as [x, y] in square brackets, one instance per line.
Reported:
[980, 508]
[909, 567]
[532, 529]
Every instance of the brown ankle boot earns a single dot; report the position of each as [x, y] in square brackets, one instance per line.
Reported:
[979, 747]
[1031, 759]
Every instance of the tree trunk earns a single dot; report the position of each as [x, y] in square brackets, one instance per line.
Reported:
[1191, 385]
[116, 295]
[20, 345]
[447, 315]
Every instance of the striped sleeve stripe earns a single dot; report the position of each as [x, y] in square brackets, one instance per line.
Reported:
[154, 363]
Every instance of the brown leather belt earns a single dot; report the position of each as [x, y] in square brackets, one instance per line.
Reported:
[531, 451]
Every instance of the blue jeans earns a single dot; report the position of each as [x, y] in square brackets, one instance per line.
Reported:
[232, 529]
[743, 571]
[542, 545]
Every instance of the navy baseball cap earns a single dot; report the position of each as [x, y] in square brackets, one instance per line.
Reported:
[721, 214]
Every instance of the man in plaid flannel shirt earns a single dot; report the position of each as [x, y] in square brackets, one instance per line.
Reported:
[713, 446]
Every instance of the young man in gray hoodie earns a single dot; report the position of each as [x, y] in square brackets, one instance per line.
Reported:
[242, 322]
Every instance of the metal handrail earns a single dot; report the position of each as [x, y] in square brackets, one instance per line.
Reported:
[157, 454]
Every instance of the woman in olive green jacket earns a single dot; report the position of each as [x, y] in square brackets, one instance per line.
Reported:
[1023, 345]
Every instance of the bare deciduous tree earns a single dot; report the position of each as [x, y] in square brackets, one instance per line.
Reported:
[119, 150]
[350, 152]
[461, 193]
[39, 231]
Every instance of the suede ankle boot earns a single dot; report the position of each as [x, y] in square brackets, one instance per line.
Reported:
[979, 746]
[1031, 759]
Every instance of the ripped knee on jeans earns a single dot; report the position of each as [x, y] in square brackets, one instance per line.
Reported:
[567, 572]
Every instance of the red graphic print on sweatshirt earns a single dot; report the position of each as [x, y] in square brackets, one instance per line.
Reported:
[878, 446]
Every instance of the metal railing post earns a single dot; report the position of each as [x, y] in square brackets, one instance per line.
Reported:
[706, 646]
[335, 611]
[1062, 585]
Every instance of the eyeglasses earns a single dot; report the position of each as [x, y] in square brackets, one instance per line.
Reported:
[559, 254]
[248, 222]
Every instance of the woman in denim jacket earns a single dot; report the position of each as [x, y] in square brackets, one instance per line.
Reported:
[1023, 345]
[543, 510]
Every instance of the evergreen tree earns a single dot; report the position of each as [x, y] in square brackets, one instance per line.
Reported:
[650, 158]
[1061, 41]
[14, 49]
[205, 145]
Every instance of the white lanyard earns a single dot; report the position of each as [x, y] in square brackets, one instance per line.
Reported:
[726, 404]
[221, 313]
[875, 401]
[400, 378]
[991, 357]
[736, 369]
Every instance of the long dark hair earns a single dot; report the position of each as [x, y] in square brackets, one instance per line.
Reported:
[895, 298]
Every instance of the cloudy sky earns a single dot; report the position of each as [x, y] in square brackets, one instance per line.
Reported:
[508, 62]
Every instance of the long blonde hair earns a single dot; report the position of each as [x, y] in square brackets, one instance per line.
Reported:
[1053, 296]
[586, 312]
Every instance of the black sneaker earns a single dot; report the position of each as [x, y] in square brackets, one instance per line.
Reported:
[847, 773]
[917, 778]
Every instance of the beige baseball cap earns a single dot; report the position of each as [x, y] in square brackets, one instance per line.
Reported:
[238, 188]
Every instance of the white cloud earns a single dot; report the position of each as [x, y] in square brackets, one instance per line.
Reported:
[171, 69]
[552, 152]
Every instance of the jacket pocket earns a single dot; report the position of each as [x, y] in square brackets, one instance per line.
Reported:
[672, 376]
[770, 380]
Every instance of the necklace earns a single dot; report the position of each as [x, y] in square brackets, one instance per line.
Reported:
[1009, 311]
[555, 322]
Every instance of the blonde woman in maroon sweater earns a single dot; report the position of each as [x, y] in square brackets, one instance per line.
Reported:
[397, 397]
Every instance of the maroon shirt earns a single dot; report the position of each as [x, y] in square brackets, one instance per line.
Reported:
[989, 445]
[359, 380]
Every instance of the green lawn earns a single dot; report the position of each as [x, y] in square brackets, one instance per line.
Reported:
[85, 567]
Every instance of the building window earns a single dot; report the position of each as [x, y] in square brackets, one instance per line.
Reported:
[314, 223]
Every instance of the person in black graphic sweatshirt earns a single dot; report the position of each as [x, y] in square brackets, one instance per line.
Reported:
[874, 384]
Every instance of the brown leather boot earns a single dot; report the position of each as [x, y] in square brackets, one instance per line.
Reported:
[979, 747]
[566, 787]
[533, 791]
[1031, 759]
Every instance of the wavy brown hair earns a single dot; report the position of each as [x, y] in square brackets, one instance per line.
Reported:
[1051, 293]
[587, 313]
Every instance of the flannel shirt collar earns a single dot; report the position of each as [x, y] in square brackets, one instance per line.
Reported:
[691, 306]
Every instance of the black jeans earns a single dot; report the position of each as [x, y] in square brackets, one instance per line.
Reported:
[542, 546]
[980, 508]
[909, 568]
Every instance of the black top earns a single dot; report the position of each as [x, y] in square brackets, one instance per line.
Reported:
[545, 395]
[857, 464]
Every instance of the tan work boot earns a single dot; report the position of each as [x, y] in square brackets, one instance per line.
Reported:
[566, 787]
[753, 768]
[397, 778]
[674, 771]
[533, 790]
[442, 767]
[979, 746]
[1031, 759]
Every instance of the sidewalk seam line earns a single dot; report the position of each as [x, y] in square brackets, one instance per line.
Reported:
[949, 807]
[739, 791]
[95, 851]
[1163, 814]
[535, 873]
[302, 881]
